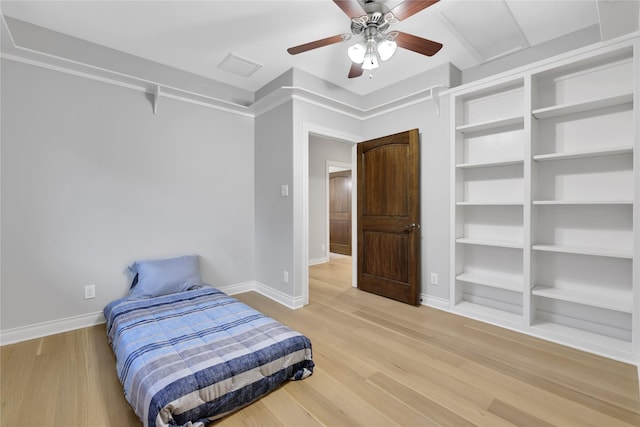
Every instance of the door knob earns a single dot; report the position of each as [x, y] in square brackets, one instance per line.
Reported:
[411, 227]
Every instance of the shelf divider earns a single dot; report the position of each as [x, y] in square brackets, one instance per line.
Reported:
[617, 301]
[491, 124]
[490, 242]
[583, 250]
[472, 309]
[490, 203]
[584, 339]
[584, 153]
[490, 164]
[492, 281]
[579, 107]
[583, 202]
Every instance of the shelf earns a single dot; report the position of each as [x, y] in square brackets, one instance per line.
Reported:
[490, 164]
[584, 153]
[584, 339]
[490, 242]
[580, 250]
[544, 181]
[583, 202]
[617, 301]
[565, 109]
[491, 281]
[489, 203]
[472, 309]
[491, 124]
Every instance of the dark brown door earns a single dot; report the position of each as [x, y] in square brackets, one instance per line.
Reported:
[340, 212]
[389, 216]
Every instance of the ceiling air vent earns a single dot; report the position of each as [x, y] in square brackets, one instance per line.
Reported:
[239, 66]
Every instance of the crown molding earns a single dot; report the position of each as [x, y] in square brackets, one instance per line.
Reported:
[13, 52]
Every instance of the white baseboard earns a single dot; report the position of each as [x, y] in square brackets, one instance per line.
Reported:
[280, 297]
[238, 288]
[317, 261]
[435, 302]
[273, 294]
[39, 330]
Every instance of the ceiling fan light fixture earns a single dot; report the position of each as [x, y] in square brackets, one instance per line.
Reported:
[357, 52]
[371, 56]
[370, 63]
[386, 49]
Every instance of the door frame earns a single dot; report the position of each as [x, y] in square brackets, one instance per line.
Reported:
[345, 166]
[301, 205]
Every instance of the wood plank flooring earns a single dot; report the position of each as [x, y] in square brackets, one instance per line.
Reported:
[379, 363]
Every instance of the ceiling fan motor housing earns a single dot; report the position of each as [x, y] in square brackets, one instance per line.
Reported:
[378, 17]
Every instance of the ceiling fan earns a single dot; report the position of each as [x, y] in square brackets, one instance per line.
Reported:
[369, 23]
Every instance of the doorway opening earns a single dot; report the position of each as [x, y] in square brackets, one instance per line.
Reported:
[323, 150]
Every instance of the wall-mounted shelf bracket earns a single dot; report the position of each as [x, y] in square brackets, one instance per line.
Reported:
[156, 98]
[435, 95]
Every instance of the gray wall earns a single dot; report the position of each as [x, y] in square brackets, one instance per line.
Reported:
[93, 180]
[321, 150]
[274, 213]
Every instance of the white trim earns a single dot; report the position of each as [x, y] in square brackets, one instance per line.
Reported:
[39, 330]
[251, 109]
[264, 290]
[435, 302]
[140, 86]
[316, 261]
[156, 98]
[238, 288]
[358, 113]
[279, 296]
[301, 204]
[354, 216]
[259, 107]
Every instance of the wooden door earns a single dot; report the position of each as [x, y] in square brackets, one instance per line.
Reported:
[340, 212]
[389, 216]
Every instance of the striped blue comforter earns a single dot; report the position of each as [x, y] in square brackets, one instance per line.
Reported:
[195, 356]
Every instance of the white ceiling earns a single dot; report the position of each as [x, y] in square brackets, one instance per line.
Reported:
[196, 36]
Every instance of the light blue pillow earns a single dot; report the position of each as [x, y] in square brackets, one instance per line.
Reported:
[165, 276]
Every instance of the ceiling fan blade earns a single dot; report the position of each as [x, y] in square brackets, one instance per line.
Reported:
[315, 44]
[352, 8]
[356, 70]
[418, 44]
[411, 7]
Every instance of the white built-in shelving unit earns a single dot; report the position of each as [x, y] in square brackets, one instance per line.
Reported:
[546, 185]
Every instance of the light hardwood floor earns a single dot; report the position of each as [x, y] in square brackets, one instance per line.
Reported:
[379, 363]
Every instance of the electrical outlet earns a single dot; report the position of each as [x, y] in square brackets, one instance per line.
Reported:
[434, 279]
[89, 291]
[285, 276]
[323, 247]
